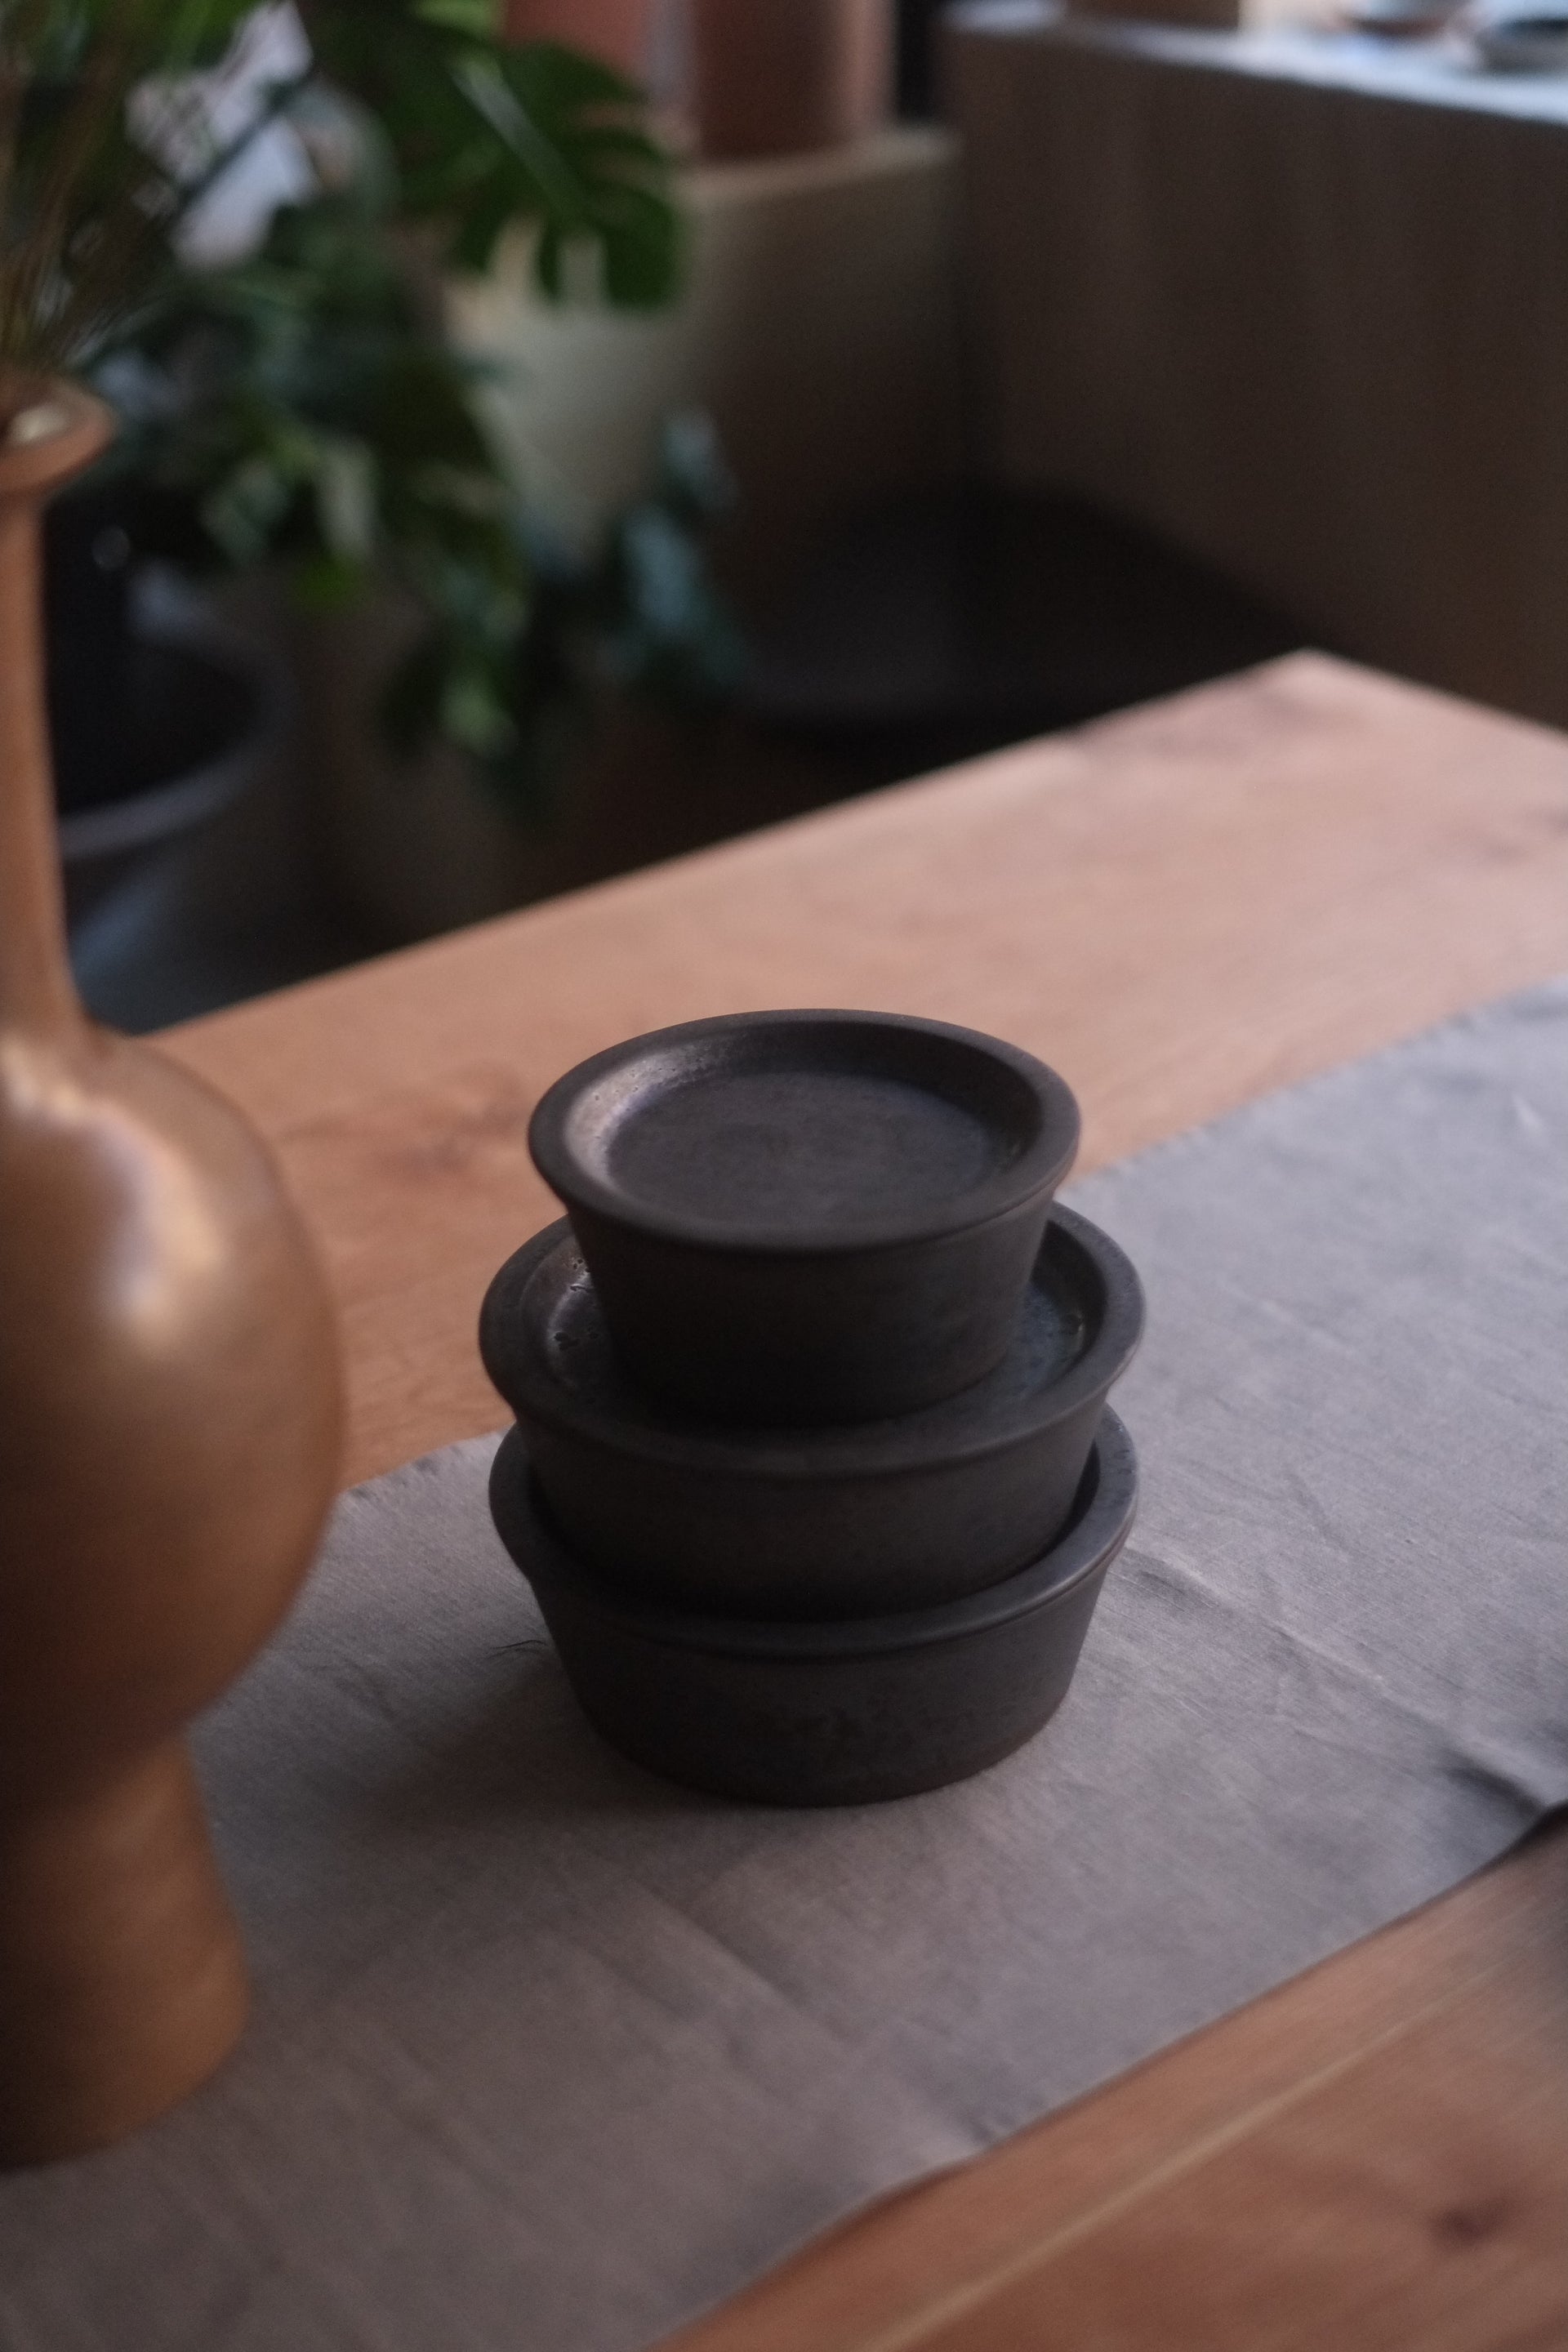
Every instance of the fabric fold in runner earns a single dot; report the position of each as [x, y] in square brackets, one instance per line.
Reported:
[549, 2056]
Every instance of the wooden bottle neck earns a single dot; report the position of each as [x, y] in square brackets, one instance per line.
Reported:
[48, 432]
[36, 987]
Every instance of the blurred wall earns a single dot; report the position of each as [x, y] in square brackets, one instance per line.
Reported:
[819, 328]
[1302, 308]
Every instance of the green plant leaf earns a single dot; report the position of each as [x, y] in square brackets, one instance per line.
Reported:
[303, 409]
[346, 498]
[85, 211]
[477, 20]
[486, 134]
[481, 133]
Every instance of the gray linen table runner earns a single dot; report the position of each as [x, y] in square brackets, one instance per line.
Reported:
[549, 2056]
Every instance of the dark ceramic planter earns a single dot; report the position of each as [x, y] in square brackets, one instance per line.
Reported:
[161, 716]
[796, 1218]
[811, 1523]
[845, 1713]
[784, 77]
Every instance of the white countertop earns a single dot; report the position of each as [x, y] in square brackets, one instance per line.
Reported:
[1440, 72]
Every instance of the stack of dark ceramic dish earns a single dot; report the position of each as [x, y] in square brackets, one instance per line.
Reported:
[812, 1476]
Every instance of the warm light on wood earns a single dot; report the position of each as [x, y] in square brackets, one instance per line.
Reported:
[1180, 908]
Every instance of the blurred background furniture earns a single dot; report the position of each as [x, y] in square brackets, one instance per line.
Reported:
[782, 76]
[619, 31]
[940, 625]
[1174, 350]
[1183, 907]
[161, 721]
[818, 329]
[1299, 304]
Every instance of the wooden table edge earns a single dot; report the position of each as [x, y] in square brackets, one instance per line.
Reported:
[846, 2291]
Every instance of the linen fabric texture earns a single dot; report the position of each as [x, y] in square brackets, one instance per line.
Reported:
[549, 2055]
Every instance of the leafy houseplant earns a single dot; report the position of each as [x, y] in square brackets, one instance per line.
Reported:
[94, 188]
[85, 210]
[301, 407]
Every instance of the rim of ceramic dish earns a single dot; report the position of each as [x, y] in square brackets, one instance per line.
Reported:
[1103, 1521]
[599, 1094]
[509, 1344]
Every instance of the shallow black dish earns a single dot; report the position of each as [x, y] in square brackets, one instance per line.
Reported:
[844, 1713]
[808, 1217]
[813, 1522]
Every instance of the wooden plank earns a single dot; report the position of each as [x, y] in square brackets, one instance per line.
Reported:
[1182, 907]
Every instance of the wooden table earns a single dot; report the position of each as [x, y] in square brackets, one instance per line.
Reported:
[1183, 908]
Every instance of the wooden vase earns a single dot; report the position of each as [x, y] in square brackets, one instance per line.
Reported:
[781, 77]
[170, 1433]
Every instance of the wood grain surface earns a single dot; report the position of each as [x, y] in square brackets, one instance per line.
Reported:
[1182, 907]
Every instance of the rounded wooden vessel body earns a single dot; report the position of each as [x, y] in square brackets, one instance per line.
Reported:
[170, 1434]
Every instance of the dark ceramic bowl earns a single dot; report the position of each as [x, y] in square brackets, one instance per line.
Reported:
[845, 1713]
[816, 1522]
[808, 1217]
